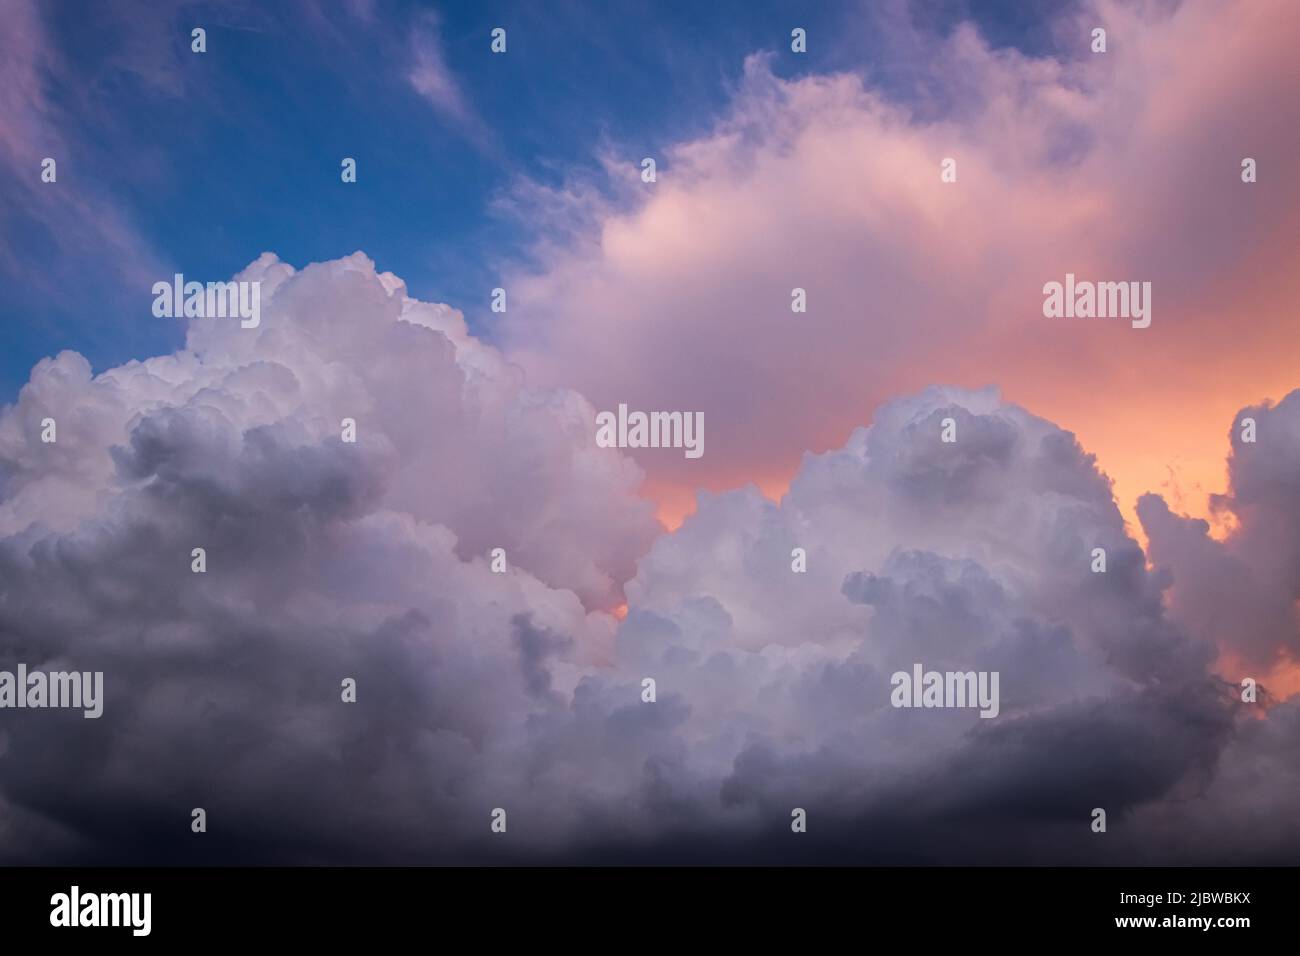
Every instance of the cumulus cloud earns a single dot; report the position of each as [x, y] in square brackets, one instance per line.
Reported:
[966, 557]
[325, 559]
[1068, 162]
[444, 424]
[1240, 592]
[478, 690]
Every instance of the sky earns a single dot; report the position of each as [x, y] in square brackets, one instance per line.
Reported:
[197, 163]
[775, 170]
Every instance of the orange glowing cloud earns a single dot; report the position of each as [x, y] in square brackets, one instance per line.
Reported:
[1123, 166]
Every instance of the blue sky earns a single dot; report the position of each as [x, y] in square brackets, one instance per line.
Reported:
[176, 161]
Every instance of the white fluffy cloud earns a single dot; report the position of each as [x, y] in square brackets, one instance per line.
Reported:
[325, 560]
[448, 433]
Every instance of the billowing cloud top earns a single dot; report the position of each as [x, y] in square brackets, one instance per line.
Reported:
[1072, 162]
[479, 690]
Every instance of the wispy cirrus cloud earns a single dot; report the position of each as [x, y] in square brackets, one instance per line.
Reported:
[431, 76]
[78, 223]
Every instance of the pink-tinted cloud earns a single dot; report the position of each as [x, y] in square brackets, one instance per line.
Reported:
[1243, 592]
[1123, 165]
